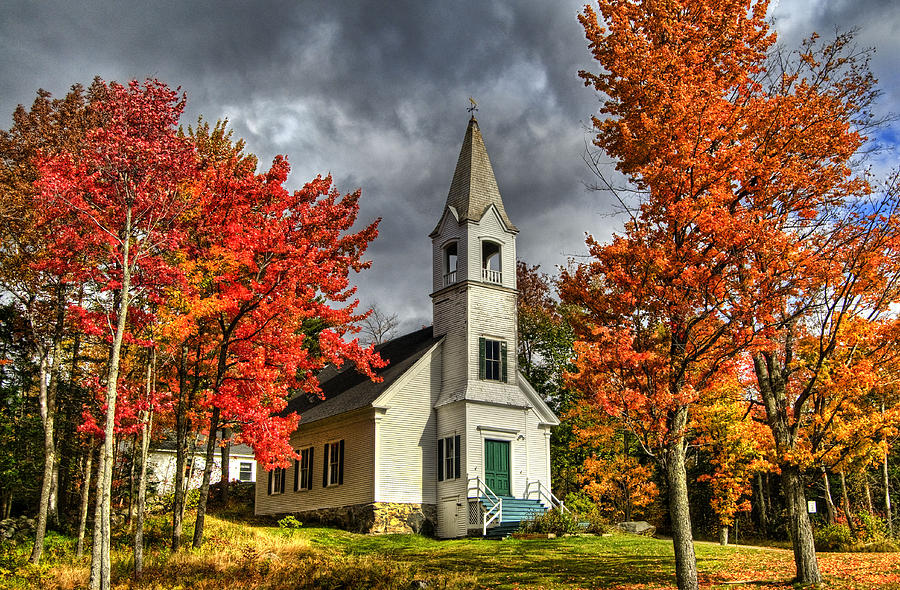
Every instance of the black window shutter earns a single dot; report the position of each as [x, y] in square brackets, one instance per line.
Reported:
[296, 475]
[325, 471]
[456, 461]
[503, 361]
[309, 477]
[270, 483]
[481, 358]
[341, 464]
[440, 459]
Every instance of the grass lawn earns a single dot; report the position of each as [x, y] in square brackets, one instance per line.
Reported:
[241, 555]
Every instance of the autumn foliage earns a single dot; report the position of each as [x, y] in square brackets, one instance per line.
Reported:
[754, 232]
[185, 286]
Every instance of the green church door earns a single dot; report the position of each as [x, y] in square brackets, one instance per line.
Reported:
[496, 466]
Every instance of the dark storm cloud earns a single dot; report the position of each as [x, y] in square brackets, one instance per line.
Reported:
[375, 93]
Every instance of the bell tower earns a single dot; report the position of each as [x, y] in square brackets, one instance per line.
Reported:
[474, 277]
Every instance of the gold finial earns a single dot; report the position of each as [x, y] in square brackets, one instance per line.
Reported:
[474, 106]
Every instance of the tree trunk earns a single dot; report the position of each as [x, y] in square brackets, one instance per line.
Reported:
[53, 500]
[47, 418]
[723, 534]
[146, 431]
[207, 474]
[226, 465]
[5, 504]
[85, 499]
[829, 502]
[132, 477]
[772, 382]
[845, 501]
[800, 527]
[679, 508]
[180, 457]
[100, 558]
[887, 494]
[761, 507]
[871, 507]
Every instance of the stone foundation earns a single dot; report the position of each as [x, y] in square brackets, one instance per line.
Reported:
[378, 518]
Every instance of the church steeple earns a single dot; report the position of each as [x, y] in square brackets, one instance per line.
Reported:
[473, 188]
[474, 258]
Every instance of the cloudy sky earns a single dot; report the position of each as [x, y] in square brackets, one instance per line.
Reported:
[376, 92]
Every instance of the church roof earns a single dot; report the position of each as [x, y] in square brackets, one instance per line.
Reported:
[346, 390]
[474, 187]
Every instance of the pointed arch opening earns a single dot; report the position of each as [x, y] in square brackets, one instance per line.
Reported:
[491, 270]
[451, 259]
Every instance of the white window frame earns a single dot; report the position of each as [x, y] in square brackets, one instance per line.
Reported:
[305, 453]
[334, 463]
[249, 465]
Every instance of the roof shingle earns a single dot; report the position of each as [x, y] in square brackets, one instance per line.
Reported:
[345, 389]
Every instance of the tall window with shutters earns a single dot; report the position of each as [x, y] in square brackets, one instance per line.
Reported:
[492, 360]
[448, 459]
[333, 470]
[303, 470]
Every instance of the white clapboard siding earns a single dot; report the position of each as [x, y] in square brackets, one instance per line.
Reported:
[496, 422]
[538, 450]
[492, 314]
[451, 493]
[357, 430]
[406, 435]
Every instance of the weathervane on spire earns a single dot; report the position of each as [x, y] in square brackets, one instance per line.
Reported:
[474, 106]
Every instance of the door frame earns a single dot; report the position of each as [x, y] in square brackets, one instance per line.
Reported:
[509, 468]
[510, 435]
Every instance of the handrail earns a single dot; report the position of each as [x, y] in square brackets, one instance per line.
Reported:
[496, 509]
[547, 494]
[492, 276]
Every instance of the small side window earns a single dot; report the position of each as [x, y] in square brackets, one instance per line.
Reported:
[245, 471]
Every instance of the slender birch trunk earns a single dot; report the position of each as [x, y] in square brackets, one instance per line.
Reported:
[85, 499]
[845, 501]
[53, 500]
[888, 515]
[829, 502]
[761, 506]
[47, 418]
[868, 490]
[207, 474]
[100, 557]
[146, 432]
[132, 476]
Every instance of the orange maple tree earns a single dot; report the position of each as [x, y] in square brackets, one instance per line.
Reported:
[751, 227]
[657, 327]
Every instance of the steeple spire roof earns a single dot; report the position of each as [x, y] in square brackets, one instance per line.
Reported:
[474, 187]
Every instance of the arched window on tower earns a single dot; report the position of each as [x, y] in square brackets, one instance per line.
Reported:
[490, 262]
[450, 261]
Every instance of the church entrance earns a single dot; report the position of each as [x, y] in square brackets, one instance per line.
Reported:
[496, 466]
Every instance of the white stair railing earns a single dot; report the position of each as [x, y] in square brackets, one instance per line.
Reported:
[543, 492]
[494, 511]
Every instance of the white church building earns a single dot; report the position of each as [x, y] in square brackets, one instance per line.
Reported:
[453, 441]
